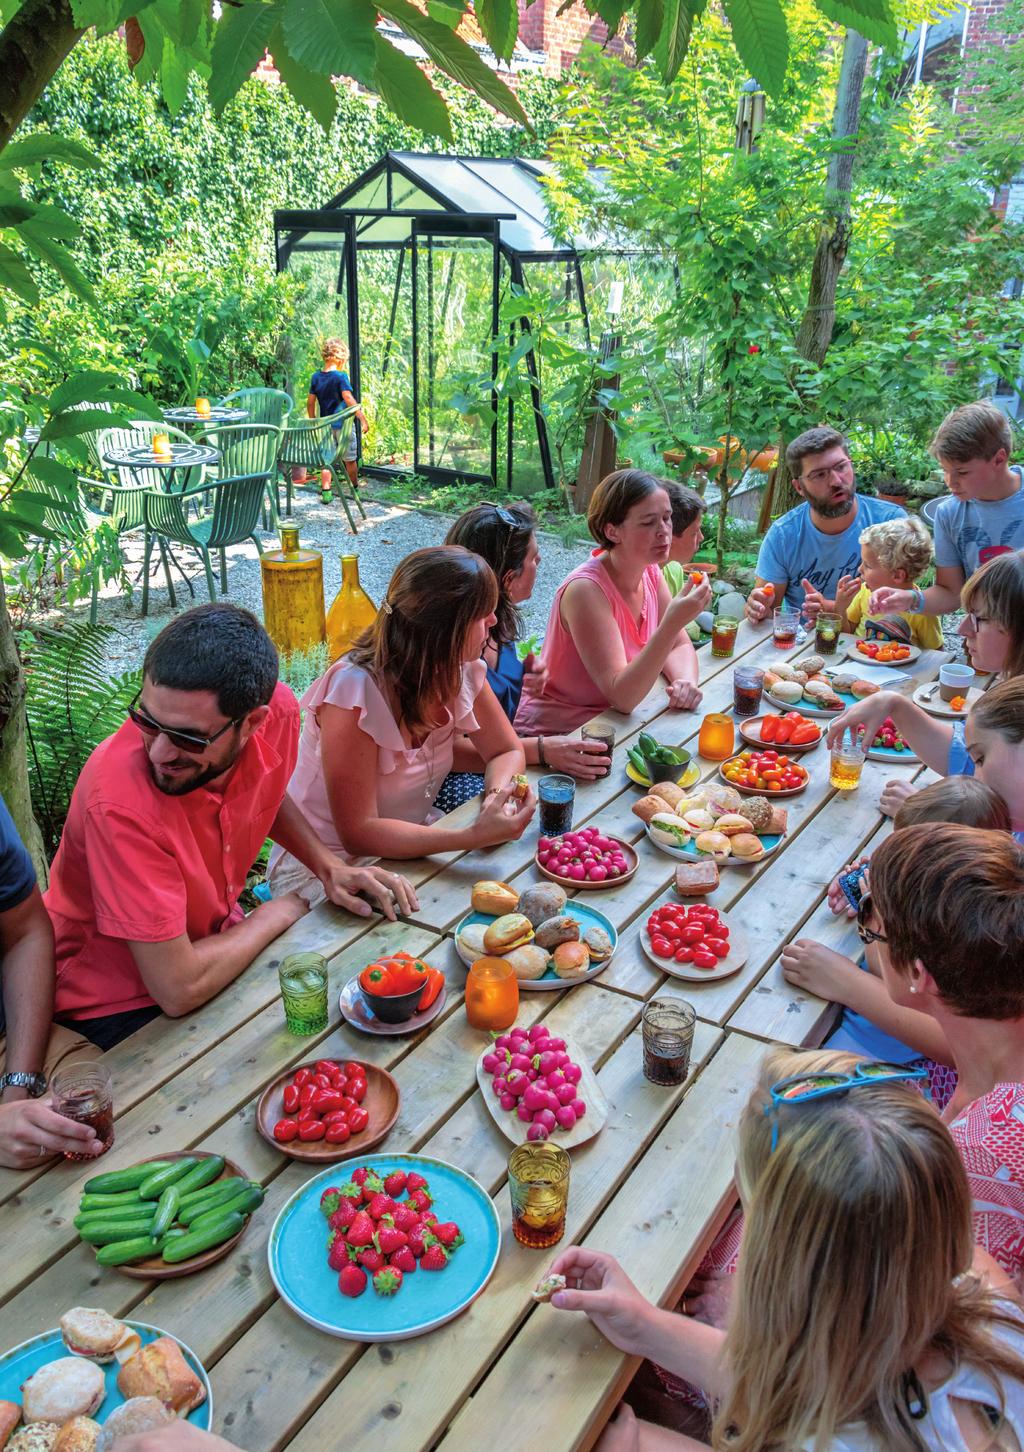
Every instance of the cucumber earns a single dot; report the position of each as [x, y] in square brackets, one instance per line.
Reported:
[166, 1210]
[175, 1233]
[196, 1241]
[123, 1251]
[218, 1194]
[110, 1202]
[206, 1170]
[142, 1216]
[129, 1178]
[232, 1182]
[248, 1200]
[114, 1234]
[154, 1185]
[646, 743]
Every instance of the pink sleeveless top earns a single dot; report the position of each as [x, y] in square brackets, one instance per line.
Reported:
[571, 696]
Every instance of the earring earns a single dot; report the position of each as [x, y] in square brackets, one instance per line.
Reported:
[913, 987]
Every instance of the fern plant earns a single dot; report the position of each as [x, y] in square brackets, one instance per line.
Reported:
[72, 704]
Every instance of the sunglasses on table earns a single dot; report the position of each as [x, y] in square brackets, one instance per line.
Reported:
[802, 1088]
[189, 741]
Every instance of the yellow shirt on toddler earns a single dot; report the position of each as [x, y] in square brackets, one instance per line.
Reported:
[925, 630]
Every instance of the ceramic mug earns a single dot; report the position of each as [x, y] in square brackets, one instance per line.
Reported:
[955, 680]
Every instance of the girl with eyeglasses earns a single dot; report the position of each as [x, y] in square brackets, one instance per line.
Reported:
[993, 632]
[857, 1325]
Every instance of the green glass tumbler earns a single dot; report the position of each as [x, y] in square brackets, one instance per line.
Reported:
[304, 992]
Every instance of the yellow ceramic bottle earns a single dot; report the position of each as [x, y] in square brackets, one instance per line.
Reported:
[352, 612]
[293, 593]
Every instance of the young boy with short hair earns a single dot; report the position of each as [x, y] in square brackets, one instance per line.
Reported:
[893, 554]
[330, 390]
[985, 516]
[687, 510]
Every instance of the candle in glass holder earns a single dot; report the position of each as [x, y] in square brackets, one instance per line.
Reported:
[203, 407]
[492, 994]
[717, 737]
[162, 445]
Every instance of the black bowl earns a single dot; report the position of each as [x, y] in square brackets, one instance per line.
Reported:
[393, 1007]
[658, 771]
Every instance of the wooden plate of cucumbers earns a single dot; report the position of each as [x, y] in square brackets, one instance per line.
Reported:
[167, 1217]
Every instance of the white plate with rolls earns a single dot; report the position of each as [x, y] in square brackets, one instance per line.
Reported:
[469, 937]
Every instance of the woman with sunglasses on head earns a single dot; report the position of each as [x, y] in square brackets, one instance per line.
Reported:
[614, 626]
[993, 632]
[856, 1325]
[381, 726]
[507, 539]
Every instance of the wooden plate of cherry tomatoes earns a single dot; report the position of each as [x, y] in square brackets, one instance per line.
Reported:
[750, 731]
[694, 941]
[764, 774]
[346, 1092]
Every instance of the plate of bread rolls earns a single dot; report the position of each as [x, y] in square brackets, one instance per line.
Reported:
[550, 940]
[713, 825]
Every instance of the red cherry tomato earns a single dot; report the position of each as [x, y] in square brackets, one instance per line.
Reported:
[306, 1094]
[691, 935]
[338, 1132]
[322, 1081]
[718, 946]
[285, 1130]
[291, 1099]
[683, 954]
[356, 1089]
[704, 960]
[358, 1119]
[307, 1114]
[661, 947]
[303, 1076]
[327, 1099]
[311, 1129]
[324, 1066]
[352, 1069]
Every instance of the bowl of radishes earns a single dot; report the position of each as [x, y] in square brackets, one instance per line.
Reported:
[536, 1087]
[586, 858]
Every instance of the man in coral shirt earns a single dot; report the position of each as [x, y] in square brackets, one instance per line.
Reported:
[166, 819]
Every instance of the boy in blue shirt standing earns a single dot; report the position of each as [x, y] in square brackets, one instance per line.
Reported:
[807, 552]
[330, 390]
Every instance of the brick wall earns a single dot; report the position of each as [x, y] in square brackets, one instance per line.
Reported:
[560, 37]
[984, 28]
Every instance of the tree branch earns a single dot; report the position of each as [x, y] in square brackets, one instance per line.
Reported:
[33, 46]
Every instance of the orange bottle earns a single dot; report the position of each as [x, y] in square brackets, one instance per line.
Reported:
[352, 611]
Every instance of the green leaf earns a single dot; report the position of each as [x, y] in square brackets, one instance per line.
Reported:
[760, 35]
[611, 12]
[871, 18]
[499, 21]
[92, 385]
[672, 44]
[105, 15]
[447, 15]
[60, 259]
[315, 92]
[16, 276]
[41, 146]
[650, 16]
[455, 57]
[75, 421]
[332, 37]
[55, 222]
[174, 73]
[54, 475]
[242, 35]
[12, 214]
[406, 90]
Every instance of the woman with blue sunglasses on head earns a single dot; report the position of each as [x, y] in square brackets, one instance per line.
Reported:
[857, 1325]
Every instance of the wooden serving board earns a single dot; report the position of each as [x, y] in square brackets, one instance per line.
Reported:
[514, 1129]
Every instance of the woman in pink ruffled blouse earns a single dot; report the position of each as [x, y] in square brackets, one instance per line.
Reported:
[381, 726]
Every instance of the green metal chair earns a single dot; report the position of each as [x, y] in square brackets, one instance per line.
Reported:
[317, 443]
[265, 405]
[231, 514]
[249, 449]
[92, 438]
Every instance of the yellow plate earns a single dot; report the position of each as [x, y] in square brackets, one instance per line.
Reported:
[689, 777]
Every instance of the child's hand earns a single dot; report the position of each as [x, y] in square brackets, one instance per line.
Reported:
[363, 423]
[846, 592]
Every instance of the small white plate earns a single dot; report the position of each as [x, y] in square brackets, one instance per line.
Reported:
[928, 698]
[739, 951]
[356, 1011]
[513, 1128]
[859, 655]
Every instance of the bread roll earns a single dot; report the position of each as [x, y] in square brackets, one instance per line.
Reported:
[10, 1416]
[510, 931]
[137, 1415]
[700, 819]
[788, 691]
[722, 799]
[90, 1331]
[39, 1437]
[62, 1389]
[527, 962]
[542, 902]
[160, 1370]
[494, 897]
[562, 929]
[669, 793]
[811, 664]
[571, 960]
[715, 844]
[746, 846]
[647, 807]
[758, 812]
[471, 939]
[733, 822]
[860, 689]
[79, 1435]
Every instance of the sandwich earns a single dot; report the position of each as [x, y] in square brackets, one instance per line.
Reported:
[598, 943]
[62, 1389]
[699, 819]
[131, 1418]
[669, 830]
[723, 798]
[571, 960]
[507, 932]
[779, 822]
[715, 844]
[648, 807]
[562, 929]
[94, 1333]
[471, 940]
[787, 691]
[843, 683]
[10, 1416]
[791, 673]
[160, 1370]
[520, 785]
[494, 897]
[812, 664]
[528, 962]
[746, 846]
[694, 879]
[732, 823]
[549, 1286]
[79, 1435]
[669, 793]
[39, 1437]
[542, 902]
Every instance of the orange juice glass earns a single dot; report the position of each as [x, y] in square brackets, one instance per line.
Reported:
[717, 737]
[492, 994]
[162, 444]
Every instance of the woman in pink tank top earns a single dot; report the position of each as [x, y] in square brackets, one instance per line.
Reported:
[614, 627]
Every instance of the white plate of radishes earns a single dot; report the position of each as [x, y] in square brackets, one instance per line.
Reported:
[532, 1081]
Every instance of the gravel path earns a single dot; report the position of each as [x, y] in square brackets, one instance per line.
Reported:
[390, 533]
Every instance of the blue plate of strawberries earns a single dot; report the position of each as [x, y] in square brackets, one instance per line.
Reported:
[384, 1248]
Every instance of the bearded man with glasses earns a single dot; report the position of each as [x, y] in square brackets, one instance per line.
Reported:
[166, 819]
[807, 551]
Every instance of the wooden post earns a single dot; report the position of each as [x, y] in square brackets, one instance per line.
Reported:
[599, 442]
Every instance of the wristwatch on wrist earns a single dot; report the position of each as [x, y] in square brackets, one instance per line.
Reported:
[21, 1079]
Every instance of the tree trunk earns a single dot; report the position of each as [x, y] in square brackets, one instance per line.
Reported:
[815, 332]
[33, 46]
[14, 786]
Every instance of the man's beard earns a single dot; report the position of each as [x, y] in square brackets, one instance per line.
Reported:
[830, 510]
[182, 787]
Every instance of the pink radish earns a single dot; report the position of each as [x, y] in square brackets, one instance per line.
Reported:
[565, 1117]
[517, 1083]
[536, 1131]
[520, 1061]
[524, 1114]
[565, 1094]
[535, 1098]
[492, 1063]
[538, 1031]
[508, 1101]
[572, 1073]
[546, 1118]
[579, 1108]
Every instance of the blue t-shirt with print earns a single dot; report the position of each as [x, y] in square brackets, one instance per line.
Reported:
[795, 550]
[327, 385]
[970, 532]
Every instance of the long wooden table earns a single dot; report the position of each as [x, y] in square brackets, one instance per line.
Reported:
[653, 1187]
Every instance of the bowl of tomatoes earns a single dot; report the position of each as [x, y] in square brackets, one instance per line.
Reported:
[764, 773]
[327, 1109]
[791, 733]
[397, 986]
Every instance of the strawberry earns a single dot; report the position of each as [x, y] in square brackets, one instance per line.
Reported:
[416, 1242]
[380, 1205]
[371, 1259]
[360, 1232]
[434, 1258]
[419, 1200]
[403, 1260]
[394, 1184]
[338, 1256]
[372, 1185]
[428, 1218]
[387, 1281]
[351, 1191]
[330, 1200]
[389, 1239]
[352, 1281]
[449, 1235]
[344, 1215]
[404, 1218]
[415, 1182]
[359, 1176]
